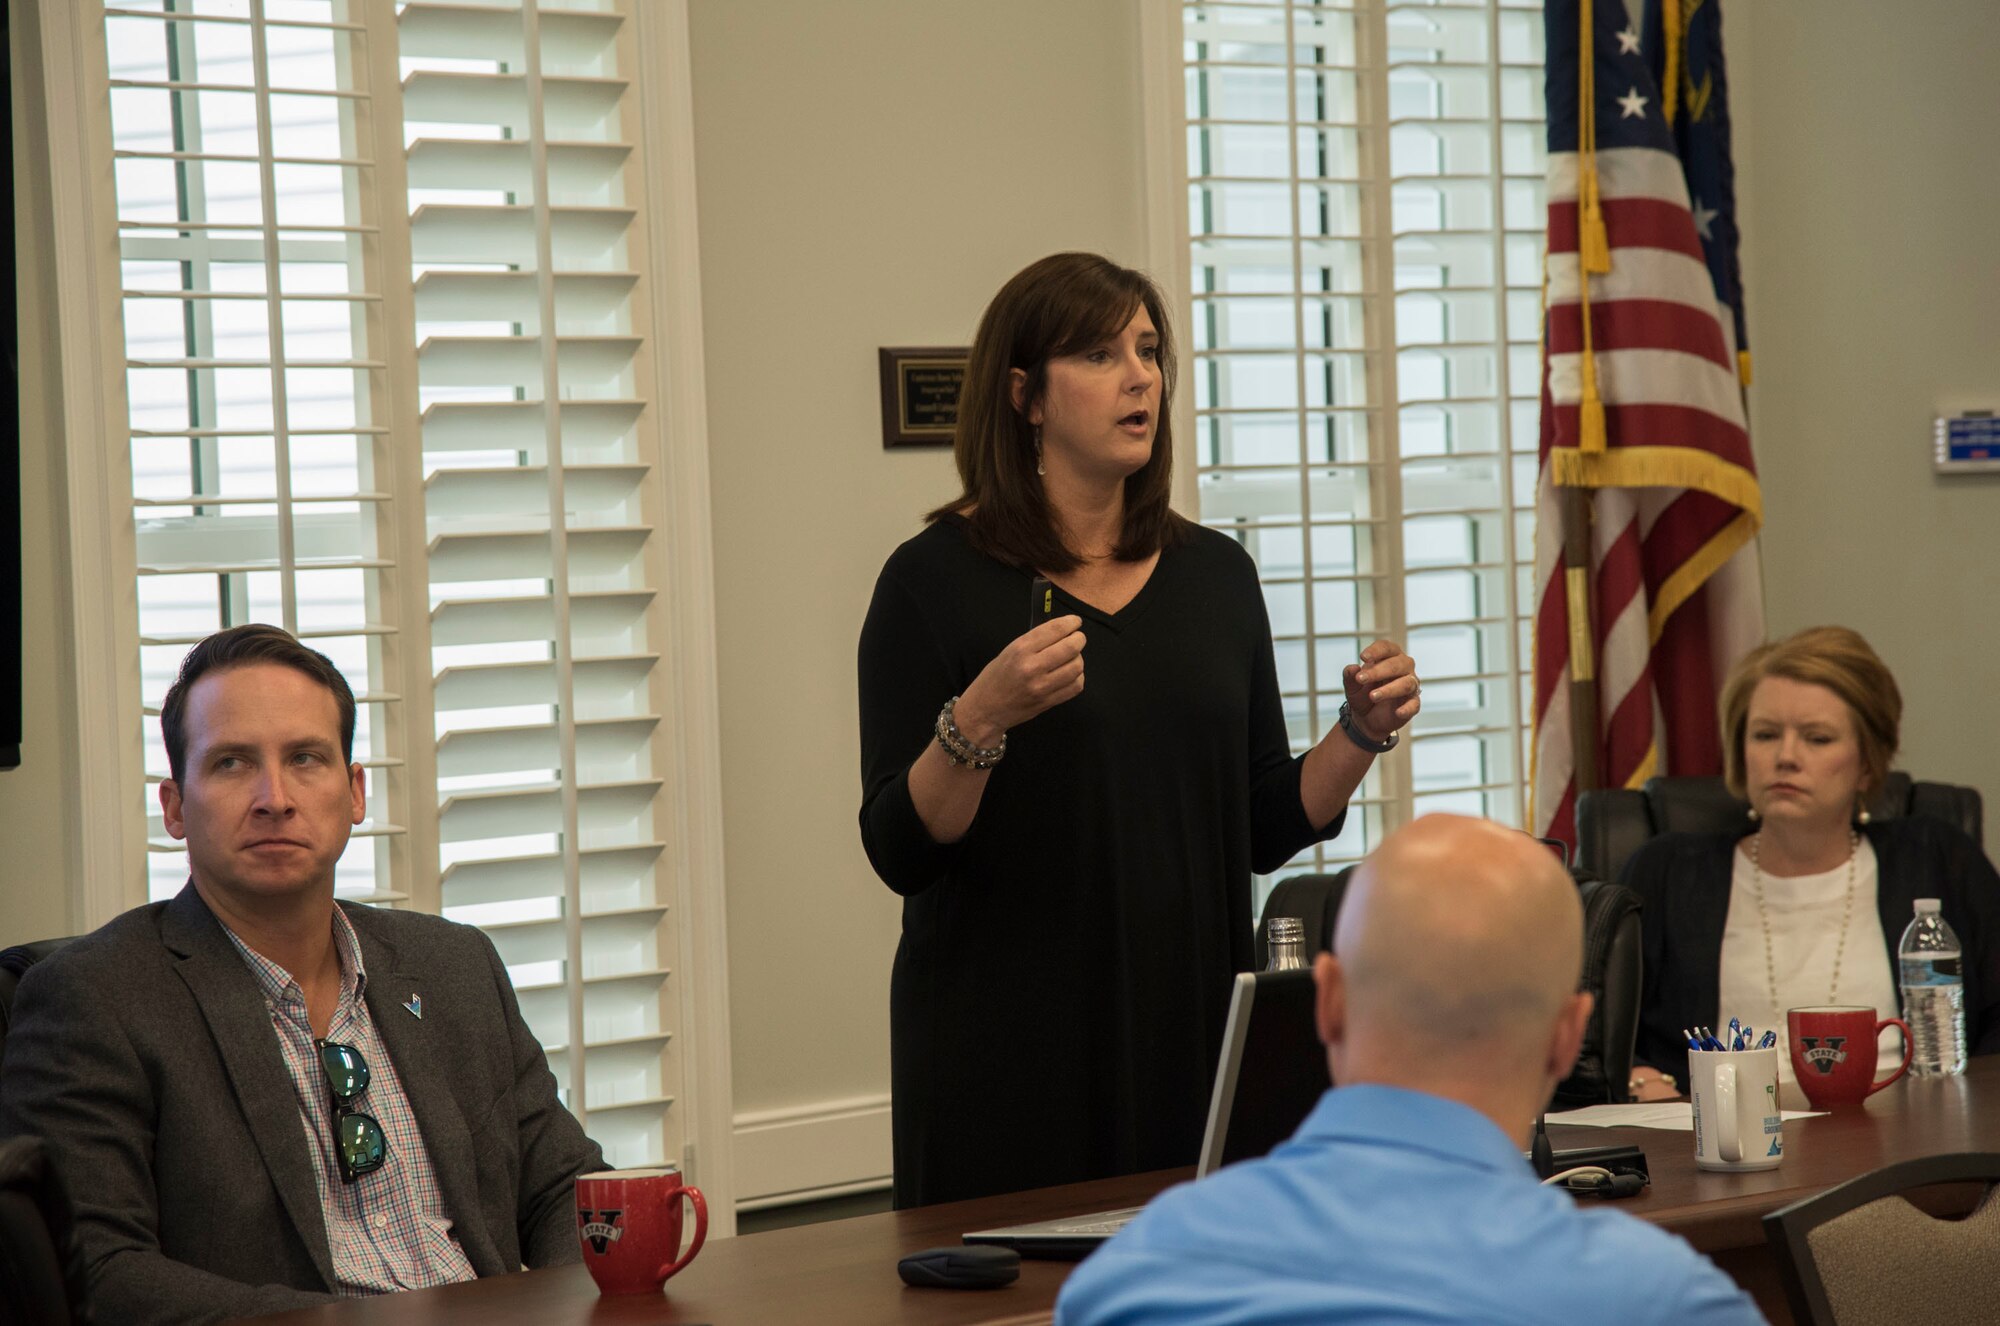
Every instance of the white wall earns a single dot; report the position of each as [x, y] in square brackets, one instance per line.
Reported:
[41, 826]
[1871, 211]
[869, 175]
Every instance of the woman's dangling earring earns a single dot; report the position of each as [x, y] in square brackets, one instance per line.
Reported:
[1861, 815]
[1038, 450]
[1755, 815]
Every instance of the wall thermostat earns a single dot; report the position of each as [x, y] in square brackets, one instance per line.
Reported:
[1966, 443]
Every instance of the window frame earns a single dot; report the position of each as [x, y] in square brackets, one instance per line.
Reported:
[101, 593]
[1168, 254]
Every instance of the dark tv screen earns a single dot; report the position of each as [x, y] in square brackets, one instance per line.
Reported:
[10, 436]
[11, 641]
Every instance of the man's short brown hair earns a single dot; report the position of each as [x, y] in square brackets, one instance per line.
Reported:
[1830, 656]
[237, 647]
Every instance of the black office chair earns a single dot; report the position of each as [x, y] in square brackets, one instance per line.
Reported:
[1315, 900]
[1611, 972]
[40, 1280]
[14, 964]
[1613, 823]
[1860, 1253]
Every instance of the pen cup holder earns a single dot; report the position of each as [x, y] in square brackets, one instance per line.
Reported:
[1737, 1122]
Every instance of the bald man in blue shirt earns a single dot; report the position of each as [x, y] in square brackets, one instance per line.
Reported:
[1449, 1014]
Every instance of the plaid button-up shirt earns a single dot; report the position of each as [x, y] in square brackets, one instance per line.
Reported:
[387, 1230]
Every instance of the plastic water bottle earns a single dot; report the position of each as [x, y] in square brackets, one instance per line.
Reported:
[1933, 993]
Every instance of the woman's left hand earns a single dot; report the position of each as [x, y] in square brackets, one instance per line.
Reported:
[1383, 692]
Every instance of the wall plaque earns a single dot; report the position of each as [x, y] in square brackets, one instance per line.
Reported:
[920, 395]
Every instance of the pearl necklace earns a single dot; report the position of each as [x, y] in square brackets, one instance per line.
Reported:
[1764, 920]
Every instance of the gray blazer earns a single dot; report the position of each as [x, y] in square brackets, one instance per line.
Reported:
[144, 1055]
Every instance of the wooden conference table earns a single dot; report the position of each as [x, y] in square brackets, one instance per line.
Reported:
[844, 1271]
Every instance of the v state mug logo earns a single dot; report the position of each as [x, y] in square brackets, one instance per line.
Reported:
[601, 1228]
[1824, 1052]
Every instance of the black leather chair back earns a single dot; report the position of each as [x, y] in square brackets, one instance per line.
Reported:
[1315, 900]
[1611, 972]
[1613, 823]
[14, 963]
[40, 1281]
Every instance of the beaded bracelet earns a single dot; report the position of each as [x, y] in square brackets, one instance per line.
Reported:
[957, 749]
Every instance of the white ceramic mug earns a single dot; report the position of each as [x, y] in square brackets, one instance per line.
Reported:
[1737, 1123]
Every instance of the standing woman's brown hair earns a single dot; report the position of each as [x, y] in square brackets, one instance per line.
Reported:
[1062, 305]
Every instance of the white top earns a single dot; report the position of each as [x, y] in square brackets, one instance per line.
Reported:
[1805, 912]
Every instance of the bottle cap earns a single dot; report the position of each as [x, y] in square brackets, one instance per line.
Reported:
[1280, 929]
[1926, 906]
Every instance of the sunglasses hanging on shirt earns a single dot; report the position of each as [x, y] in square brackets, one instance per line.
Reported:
[357, 1138]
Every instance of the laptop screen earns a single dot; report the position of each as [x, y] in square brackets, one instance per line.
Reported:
[1272, 1070]
[1270, 1074]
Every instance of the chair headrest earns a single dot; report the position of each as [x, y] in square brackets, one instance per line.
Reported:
[23, 956]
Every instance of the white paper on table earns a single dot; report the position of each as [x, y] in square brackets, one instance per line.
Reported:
[1673, 1115]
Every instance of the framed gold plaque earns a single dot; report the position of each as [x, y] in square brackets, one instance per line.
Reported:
[920, 389]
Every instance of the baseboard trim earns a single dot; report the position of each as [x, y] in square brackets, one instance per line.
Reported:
[808, 1152]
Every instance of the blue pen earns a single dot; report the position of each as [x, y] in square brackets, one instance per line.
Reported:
[1694, 1041]
[1735, 1030]
[1770, 1040]
[1714, 1041]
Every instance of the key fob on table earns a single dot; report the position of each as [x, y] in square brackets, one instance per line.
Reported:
[975, 1267]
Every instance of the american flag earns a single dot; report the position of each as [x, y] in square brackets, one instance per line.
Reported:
[1674, 494]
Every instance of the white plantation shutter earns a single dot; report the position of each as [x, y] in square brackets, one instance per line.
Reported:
[256, 379]
[1365, 238]
[391, 375]
[541, 460]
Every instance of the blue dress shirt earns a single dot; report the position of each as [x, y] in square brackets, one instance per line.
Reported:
[1391, 1206]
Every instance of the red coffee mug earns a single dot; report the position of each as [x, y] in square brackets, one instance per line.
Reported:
[1833, 1053]
[629, 1222]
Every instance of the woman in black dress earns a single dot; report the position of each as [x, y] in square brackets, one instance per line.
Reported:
[1075, 862]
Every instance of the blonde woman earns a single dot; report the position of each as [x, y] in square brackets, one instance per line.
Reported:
[1804, 903]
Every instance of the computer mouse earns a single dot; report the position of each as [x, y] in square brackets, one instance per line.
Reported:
[975, 1267]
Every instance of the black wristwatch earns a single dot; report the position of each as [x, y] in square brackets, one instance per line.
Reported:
[1354, 734]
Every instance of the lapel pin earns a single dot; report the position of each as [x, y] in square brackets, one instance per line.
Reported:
[416, 1006]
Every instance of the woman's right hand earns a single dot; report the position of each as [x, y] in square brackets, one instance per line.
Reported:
[1042, 668]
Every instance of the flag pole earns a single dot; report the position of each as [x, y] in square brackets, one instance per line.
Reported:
[1584, 726]
[1593, 256]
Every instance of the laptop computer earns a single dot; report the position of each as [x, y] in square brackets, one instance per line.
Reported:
[1271, 1073]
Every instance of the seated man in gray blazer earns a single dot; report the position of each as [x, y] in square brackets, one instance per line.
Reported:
[260, 1098]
